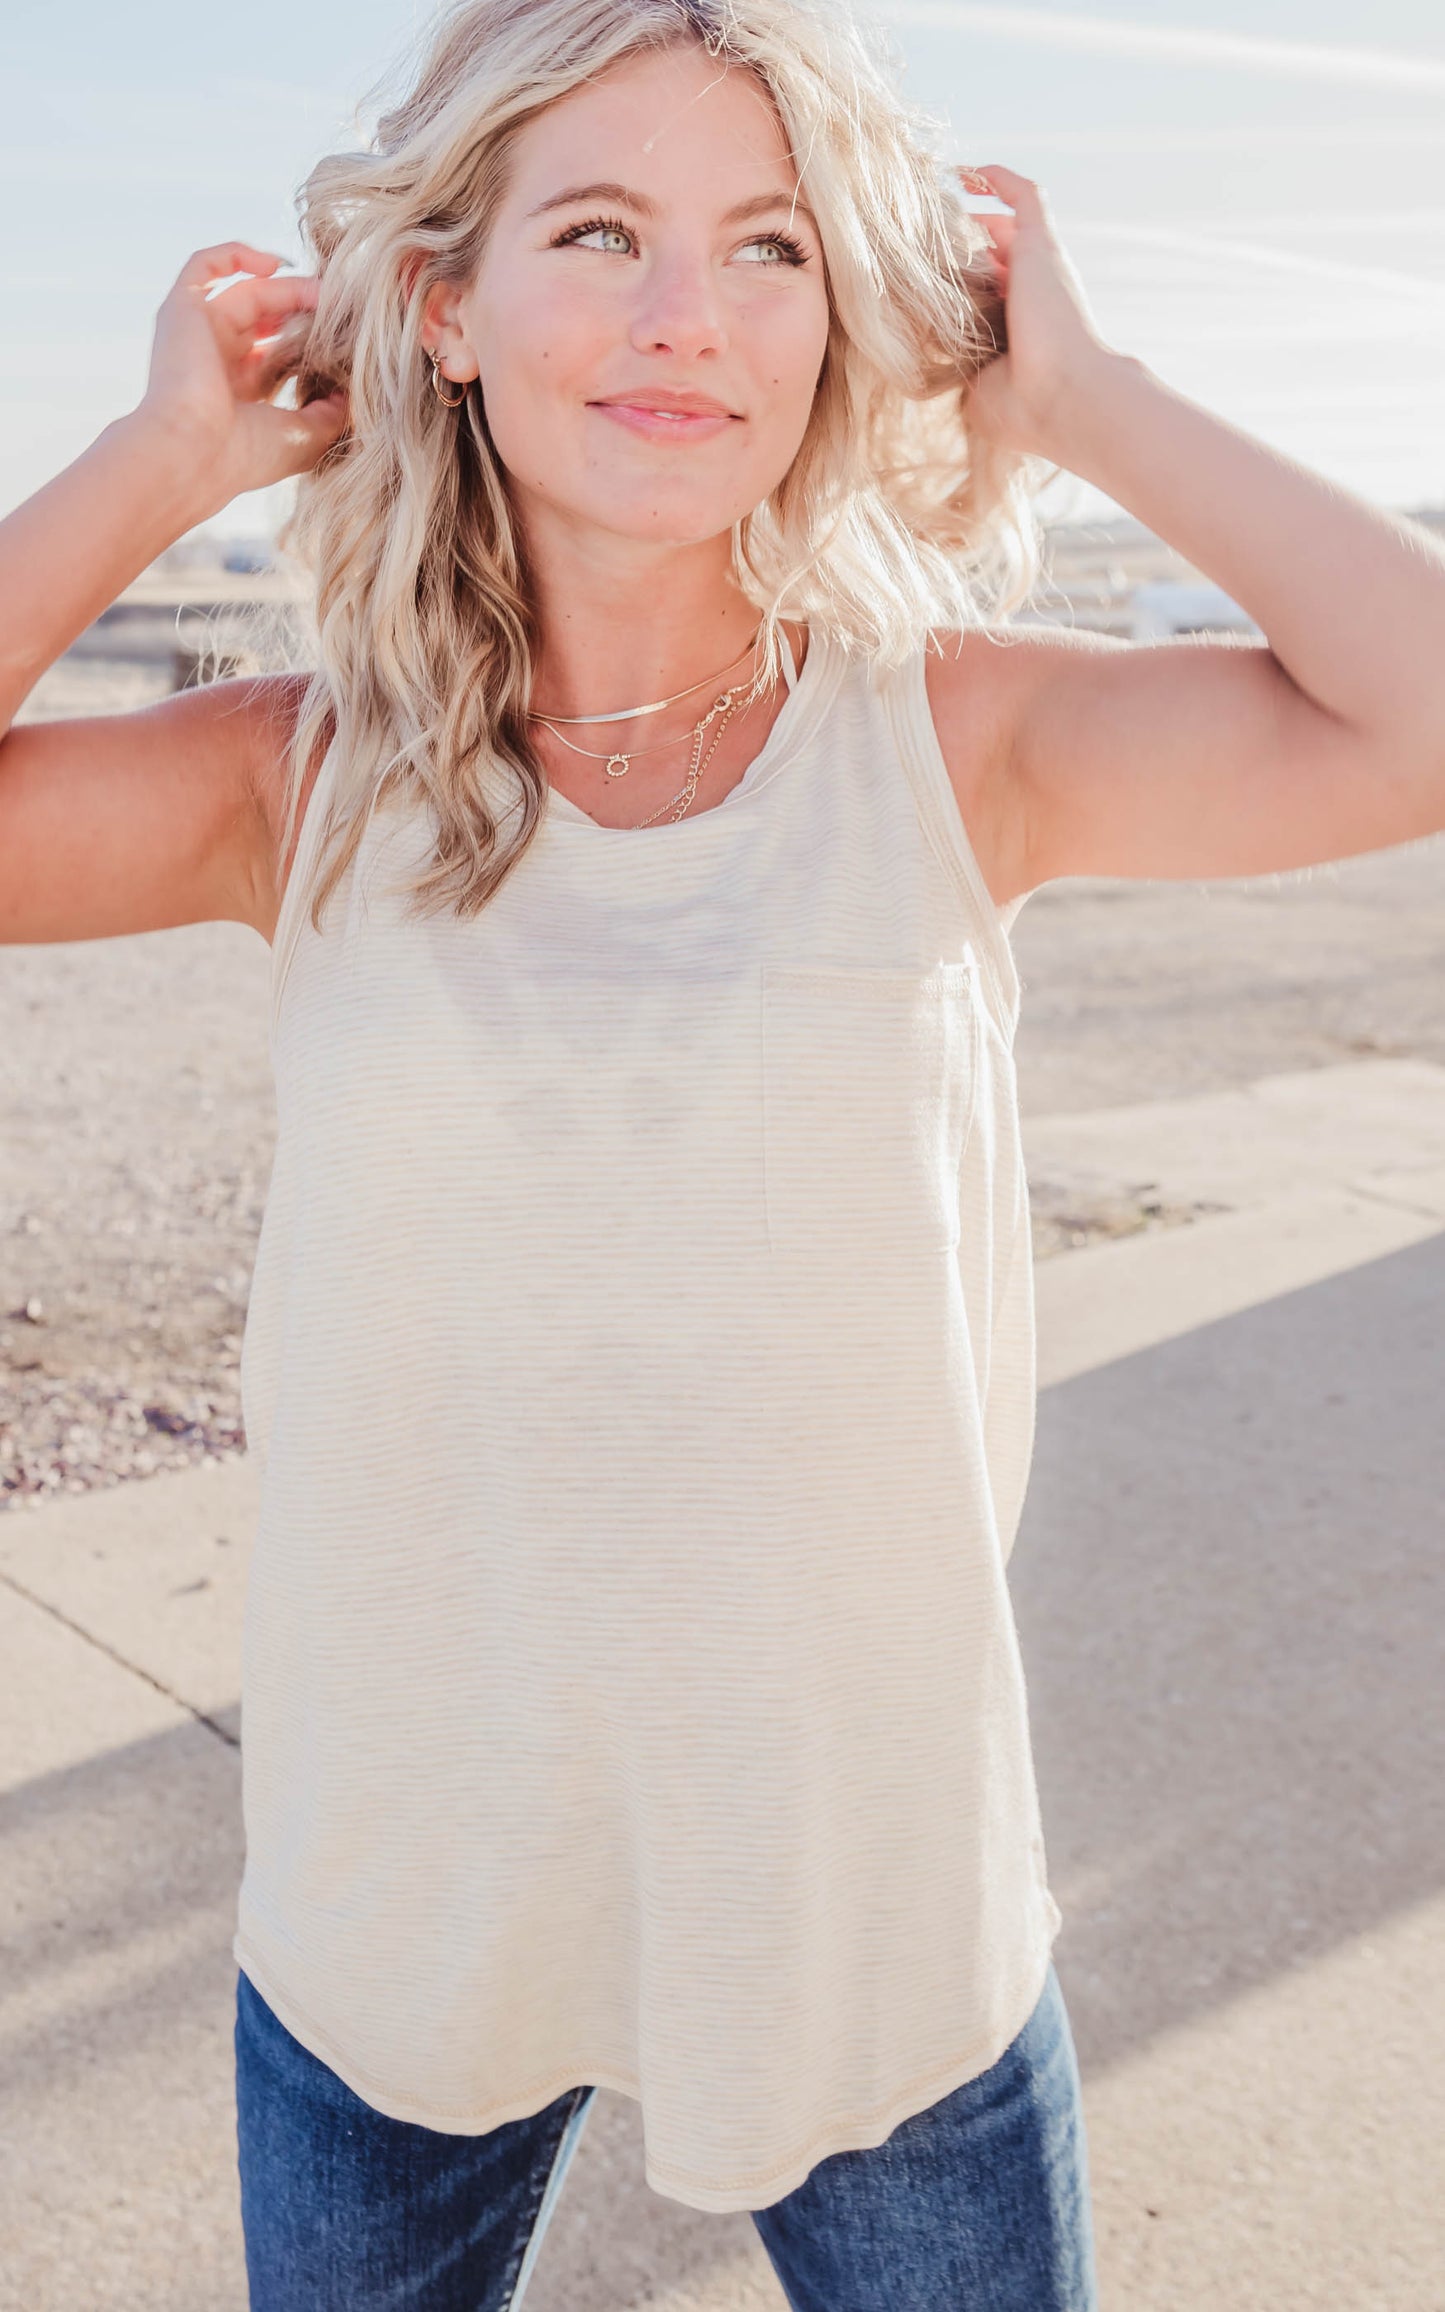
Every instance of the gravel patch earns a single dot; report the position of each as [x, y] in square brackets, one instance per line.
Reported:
[136, 1082]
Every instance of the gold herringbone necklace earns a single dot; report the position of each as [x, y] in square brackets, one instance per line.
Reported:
[723, 708]
[653, 706]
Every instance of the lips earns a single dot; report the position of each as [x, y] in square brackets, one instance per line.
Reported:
[666, 420]
[657, 401]
[667, 415]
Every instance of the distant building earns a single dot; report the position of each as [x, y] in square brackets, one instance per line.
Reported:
[249, 555]
[1175, 606]
[198, 550]
[1116, 577]
[1092, 571]
[211, 604]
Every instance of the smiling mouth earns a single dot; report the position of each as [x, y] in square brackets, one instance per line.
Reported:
[658, 415]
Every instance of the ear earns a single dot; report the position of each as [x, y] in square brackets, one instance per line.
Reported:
[442, 328]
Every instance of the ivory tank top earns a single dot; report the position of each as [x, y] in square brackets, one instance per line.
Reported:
[639, 1373]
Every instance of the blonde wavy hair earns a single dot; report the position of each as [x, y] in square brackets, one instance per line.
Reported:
[891, 520]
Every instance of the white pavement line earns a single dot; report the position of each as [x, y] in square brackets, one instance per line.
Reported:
[154, 1572]
[1355, 1125]
[88, 1637]
[120, 1853]
[1417, 1189]
[64, 1702]
[1112, 1300]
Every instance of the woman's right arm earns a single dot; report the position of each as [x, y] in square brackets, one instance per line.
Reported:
[135, 822]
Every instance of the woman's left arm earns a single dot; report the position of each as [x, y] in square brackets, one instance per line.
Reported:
[1203, 757]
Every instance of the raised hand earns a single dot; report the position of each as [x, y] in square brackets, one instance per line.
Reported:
[1051, 332]
[218, 359]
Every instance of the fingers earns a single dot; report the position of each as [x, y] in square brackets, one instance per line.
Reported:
[312, 431]
[1027, 199]
[227, 257]
[262, 373]
[997, 179]
[257, 308]
[998, 228]
[277, 444]
[1019, 193]
[267, 365]
[979, 180]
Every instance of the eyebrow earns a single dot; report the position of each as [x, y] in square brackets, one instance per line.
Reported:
[758, 205]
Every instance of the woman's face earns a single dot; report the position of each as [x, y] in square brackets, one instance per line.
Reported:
[650, 246]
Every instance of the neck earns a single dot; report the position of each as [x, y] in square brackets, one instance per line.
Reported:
[613, 637]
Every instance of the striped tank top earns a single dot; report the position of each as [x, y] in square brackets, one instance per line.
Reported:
[639, 1374]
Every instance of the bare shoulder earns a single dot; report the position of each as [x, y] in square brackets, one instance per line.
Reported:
[983, 689]
[144, 820]
[253, 720]
[1182, 756]
[274, 709]
[977, 681]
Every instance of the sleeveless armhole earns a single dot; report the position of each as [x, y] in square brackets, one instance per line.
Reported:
[906, 695]
[289, 914]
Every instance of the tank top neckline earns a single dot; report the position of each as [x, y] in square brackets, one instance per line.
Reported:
[794, 723]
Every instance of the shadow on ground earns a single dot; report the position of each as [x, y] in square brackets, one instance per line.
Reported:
[115, 2068]
[1230, 1586]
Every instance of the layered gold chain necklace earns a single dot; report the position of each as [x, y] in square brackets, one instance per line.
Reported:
[619, 762]
[722, 710]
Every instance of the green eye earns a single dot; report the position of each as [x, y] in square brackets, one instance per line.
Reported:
[791, 251]
[577, 233]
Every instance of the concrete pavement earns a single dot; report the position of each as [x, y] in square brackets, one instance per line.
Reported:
[1229, 1583]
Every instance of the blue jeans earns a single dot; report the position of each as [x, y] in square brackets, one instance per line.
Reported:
[979, 2204]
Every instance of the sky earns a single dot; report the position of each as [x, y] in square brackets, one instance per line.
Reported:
[1251, 193]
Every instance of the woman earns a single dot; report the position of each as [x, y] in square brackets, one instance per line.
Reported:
[639, 1360]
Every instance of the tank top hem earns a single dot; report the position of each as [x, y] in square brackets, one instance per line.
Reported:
[853, 2130]
[841, 2131]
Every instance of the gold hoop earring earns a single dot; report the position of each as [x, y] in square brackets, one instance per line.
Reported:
[447, 400]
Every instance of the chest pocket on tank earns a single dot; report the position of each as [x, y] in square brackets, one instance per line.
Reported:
[870, 1080]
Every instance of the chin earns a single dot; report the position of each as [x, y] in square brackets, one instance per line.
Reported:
[667, 519]
[676, 531]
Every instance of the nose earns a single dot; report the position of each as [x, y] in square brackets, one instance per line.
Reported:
[680, 310]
